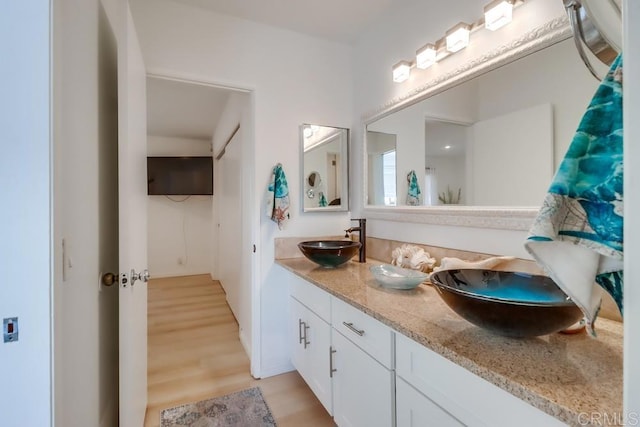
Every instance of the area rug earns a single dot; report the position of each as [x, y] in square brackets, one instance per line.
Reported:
[245, 408]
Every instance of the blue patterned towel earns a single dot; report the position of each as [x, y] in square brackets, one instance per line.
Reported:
[577, 235]
[413, 194]
[278, 197]
[322, 202]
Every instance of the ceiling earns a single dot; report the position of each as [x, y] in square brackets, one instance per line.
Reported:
[183, 110]
[336, 20]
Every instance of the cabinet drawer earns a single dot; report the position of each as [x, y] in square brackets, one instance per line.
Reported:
[469, 398]
[363, 330]
[312, 296]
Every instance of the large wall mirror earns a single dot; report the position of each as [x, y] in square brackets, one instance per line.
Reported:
[487, 146]
[325, 163]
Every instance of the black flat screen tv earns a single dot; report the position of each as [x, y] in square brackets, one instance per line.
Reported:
[179, 176]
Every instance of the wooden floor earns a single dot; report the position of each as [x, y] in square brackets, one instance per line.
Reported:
[194, 354]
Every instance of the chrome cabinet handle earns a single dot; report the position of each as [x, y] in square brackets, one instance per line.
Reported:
[353, 328]
[331, 368]
[300, 323]
[306, 343]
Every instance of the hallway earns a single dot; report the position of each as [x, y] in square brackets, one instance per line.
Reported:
[194, 354]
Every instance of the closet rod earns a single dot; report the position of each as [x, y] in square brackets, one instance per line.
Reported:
[224, 147]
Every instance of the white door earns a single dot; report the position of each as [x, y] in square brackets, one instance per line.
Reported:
[229, 193]
[132, 200]
[362, 387]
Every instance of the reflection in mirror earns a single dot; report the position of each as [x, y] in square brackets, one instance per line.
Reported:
[324, 168]
[381, 152]
[490, 141]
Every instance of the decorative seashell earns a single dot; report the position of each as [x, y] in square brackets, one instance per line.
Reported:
[412, 257]
[457, 263]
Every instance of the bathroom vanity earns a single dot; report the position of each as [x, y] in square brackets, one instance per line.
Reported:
[381, 357]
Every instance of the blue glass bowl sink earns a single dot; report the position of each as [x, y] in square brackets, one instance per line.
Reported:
[329, 253]
[507, 303]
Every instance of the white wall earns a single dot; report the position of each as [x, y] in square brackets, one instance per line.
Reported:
[382, 46]
[449, 173]
[631, 209]
[504, 173]
[25, 219]
[537, 81]
[297, 79]
[179, 228]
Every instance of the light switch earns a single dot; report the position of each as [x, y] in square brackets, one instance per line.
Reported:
[10, 329]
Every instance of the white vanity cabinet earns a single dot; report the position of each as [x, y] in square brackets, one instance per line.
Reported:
[438, 389]
[365, 374]
[362, 362]
[352, 376]
[414, 409]
[310, 354]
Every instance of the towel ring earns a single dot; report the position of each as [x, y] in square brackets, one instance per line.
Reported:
[586, 33]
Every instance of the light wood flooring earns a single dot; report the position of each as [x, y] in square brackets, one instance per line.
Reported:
[195, 354]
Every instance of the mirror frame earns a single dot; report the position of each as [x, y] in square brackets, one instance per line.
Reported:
[505, 218]
[344, 151]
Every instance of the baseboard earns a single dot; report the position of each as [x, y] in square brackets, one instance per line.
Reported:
[273, 370]
[246, 343]
[184, 274]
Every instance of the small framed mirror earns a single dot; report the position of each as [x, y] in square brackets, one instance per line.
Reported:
[325, 168]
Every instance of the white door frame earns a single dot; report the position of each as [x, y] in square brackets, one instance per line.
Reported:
[254, 205]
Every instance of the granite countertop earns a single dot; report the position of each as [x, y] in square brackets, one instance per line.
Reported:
[562, 375]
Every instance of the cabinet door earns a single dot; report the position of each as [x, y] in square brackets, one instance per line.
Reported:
[413, 409]
[310, 355]
[298, 317]
[363, 389]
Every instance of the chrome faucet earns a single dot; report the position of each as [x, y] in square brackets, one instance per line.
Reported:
[362, 237]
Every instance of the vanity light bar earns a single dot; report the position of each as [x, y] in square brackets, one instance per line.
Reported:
[497, 14]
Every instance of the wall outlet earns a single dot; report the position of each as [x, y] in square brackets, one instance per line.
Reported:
[180, 261]
[10, 329]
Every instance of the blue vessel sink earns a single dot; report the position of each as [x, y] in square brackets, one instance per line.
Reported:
[329, 253]
[507, 303]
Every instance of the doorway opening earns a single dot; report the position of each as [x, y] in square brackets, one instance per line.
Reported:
[191, 235]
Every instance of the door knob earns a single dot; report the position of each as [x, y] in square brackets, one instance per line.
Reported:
[143, 275]
[109, 279]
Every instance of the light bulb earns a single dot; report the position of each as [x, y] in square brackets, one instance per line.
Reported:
[426, 56]
[401, 71]
[497, 14]
[458, 37]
